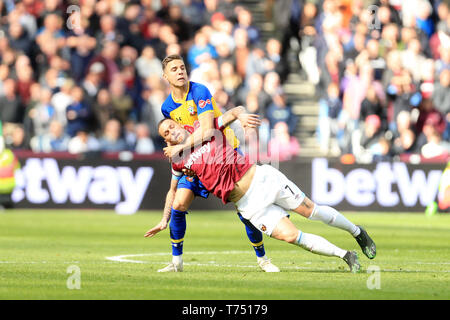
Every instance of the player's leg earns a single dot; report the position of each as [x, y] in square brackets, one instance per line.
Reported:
[274, 222]
[292, 198]
[334, 218]
[256, 239]
[177, 226]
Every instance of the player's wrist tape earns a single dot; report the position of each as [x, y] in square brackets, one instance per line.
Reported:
[220, 122]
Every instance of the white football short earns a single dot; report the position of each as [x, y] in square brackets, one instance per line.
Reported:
[270, 194]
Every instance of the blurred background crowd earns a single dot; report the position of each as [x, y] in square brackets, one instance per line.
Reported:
[382, 74]
[80, 76]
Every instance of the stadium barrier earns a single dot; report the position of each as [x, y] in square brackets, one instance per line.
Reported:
[127, 183]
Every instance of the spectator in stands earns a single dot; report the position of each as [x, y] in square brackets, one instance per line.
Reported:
[19, 139]
[42, 113]
[282, 144]
[365, 140]
[61, 100]
[148, 64]
[102, 110]
[241, 51]
[18, 38]
[281, 111]
[112, 140]
[229, 78]
[11, 108]
[108, 56]
[83, 142]
[258, 63]
[328, 127]
[371, 104]
[435, 146]
[441, 99]
[245, 21]
[55, 140]
[78, 113]
[144, 143]
[121, 102]
[200, 51]
[254, 86]
[93, 81]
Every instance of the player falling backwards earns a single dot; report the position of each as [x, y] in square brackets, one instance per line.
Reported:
[191, 105]
[262, 194]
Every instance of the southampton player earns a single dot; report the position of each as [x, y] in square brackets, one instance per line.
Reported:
[262, 194]
[192, 106]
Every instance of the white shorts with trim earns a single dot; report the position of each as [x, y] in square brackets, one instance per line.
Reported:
[270, 194]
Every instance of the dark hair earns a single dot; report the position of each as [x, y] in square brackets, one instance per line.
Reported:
[170, 58]
[161, 122]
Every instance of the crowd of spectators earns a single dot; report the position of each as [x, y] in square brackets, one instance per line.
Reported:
[382, 74]
[80, 76]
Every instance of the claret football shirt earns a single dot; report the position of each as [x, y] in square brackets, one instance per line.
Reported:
[216, 163]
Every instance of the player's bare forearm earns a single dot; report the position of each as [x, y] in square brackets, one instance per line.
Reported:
[232, 115]
[205, 132]
[167, 211]
[169, 200]
[168, 205]
[247, 120]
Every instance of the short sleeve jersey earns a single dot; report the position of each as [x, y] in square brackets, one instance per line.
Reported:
[216, 164]
[197, 100]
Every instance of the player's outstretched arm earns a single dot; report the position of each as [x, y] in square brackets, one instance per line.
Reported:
[167, 208]
[203, 133]
[247, 120]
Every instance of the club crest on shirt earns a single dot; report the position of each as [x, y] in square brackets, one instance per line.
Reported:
[263, 228]
[192, 110]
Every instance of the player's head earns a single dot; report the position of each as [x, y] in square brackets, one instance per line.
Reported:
[174, 70]
[172, 132]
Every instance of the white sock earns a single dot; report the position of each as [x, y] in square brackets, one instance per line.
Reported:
[333, 218]
[177, 259]
[318, 245]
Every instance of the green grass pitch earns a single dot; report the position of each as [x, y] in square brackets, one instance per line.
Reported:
[112, 259]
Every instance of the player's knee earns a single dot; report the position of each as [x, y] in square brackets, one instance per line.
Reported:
[291, 236]
[179, 205]
[287, 235]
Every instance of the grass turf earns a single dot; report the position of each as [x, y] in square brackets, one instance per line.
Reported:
[37, 248]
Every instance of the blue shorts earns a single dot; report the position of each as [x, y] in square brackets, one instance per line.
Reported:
[194, 183]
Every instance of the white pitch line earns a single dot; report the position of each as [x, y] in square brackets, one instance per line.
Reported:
[125, 258]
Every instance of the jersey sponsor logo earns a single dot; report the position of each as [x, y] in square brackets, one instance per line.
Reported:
[196, 124]
[192, 128]
[197, 155]
[189, 128]
[203, 103]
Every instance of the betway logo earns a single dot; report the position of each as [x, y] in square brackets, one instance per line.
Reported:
[99, 185]
[197, 155]
[361, 187]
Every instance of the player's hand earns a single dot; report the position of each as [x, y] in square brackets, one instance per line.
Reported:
[249, 120]
[189, 172]
[159, 227]
[171, 151]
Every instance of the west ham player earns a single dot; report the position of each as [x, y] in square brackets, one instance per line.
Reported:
[191, 105]
[261, 193]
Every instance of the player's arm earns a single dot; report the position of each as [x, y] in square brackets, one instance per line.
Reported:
[205, 113]
[247, 120]
[203, 133]
[167, 208]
